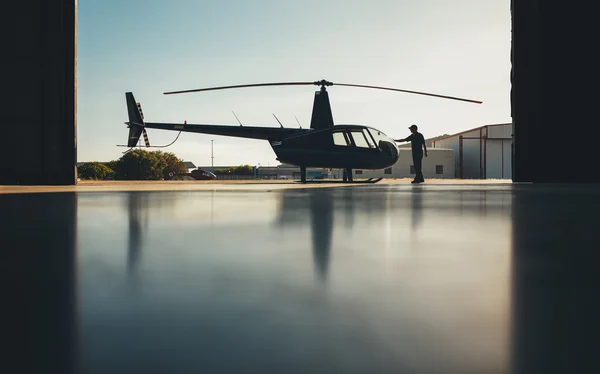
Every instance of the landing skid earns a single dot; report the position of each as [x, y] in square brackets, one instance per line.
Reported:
[370, 181]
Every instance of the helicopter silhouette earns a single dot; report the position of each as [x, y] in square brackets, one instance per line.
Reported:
[323, 145]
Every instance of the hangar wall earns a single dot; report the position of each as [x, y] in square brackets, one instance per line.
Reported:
[553, 76]
[39, 145]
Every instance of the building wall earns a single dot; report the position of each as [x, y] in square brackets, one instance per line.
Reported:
[271, 172]
[472, 158]
[499, 157]
[486, 152]
[500, 131]
[402, 169]
[450, 143]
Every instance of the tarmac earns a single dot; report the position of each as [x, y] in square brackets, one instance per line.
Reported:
[279, 277]
[227, 185]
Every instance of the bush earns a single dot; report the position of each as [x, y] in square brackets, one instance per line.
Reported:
[94, 170]
[140, 164]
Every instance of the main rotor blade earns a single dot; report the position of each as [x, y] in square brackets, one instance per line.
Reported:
[321, 83]
[413, 92]
[243, 85]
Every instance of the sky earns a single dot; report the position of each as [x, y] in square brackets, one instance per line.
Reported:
[456, 48]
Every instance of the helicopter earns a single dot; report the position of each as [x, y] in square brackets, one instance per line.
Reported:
[323, 145]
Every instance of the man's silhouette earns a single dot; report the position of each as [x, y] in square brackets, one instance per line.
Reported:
[417, 142]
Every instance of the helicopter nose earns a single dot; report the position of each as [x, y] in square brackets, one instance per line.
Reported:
[389, 148]
[389, 152]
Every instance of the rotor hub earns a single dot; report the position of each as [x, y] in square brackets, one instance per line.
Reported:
[323, 83]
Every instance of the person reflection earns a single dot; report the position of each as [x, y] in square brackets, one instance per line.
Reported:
[416, 209]
[348, 204]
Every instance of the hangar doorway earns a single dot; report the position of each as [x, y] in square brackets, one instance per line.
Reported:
[41, 125]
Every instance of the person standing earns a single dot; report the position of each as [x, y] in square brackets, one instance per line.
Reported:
[417, 142]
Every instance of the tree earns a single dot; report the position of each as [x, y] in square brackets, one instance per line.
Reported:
[242, 170]
[140, 164]
[236, 170]
[220, 171]
[94, 170]
[173, 165]
[112, 164]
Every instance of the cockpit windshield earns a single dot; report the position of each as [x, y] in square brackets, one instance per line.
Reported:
[379, 136]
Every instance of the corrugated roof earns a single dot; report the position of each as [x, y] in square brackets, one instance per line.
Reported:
[473, 129]
[428, 142]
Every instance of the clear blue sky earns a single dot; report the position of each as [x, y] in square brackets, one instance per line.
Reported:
[457, 48]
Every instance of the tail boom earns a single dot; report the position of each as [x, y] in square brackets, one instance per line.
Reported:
[137, 127]
[248, 132]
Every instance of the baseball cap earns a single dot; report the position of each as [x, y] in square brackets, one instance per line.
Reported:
[413, 127]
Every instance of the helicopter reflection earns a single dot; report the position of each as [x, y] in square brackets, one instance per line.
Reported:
[316, 209]
[321, 219]
[137, 204]
[293, 212]
[319, 208]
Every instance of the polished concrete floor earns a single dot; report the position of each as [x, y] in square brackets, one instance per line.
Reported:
[357, 279]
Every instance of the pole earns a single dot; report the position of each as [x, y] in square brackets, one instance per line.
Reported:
[212, 158]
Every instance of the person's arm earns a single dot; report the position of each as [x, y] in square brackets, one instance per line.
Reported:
[425, 146]
[403, 140]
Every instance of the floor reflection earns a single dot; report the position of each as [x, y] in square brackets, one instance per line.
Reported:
[38, 237]
[137, 208]
[416, 209]
[497, 280]
[555, 280]
[322, 210]
[316, 210]
[321, 217]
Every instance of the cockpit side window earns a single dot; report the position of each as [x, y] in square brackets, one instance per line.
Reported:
[369, 138]
[340, 139]
[359, 139]
[379, 136]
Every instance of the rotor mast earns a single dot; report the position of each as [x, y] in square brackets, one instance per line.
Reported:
[322, 117]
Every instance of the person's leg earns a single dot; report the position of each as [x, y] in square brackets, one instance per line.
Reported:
[418, 160]
[415, 166]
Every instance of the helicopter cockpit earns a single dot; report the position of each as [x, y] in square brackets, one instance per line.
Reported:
[364, 137]
[384, 142]
[380, 137]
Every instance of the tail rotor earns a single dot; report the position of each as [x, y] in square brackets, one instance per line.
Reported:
[136, 122]
[137, 126]
[139, 105]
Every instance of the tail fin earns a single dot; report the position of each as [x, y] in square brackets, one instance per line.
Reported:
[136, 121]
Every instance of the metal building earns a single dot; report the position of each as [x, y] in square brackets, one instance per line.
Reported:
[281, 171]
[439, 163]
[481, 153]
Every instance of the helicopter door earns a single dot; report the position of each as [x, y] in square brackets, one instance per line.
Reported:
[361, 140]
